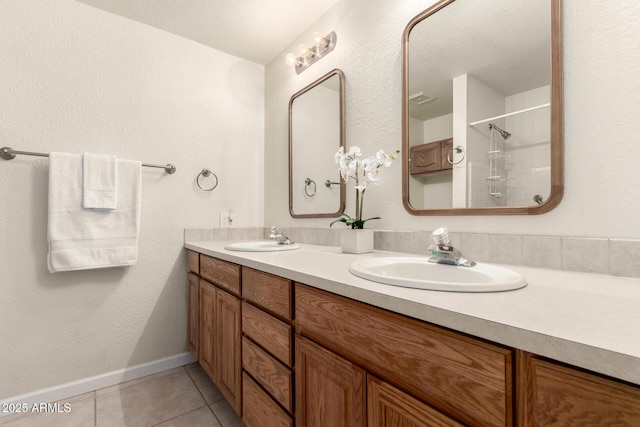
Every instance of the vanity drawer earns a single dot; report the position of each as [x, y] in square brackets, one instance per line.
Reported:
[270, 373]
[458, 375]
[270, 292]
[258, 407]
[221, 273]
[272, 334]
[193, 261]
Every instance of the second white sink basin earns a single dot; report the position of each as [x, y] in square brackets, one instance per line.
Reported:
[261, 246]
[418, 272]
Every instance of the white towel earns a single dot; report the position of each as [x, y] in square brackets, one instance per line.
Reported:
[99, 181]
[80, 238]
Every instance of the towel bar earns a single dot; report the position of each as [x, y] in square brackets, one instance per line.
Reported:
[9, 153]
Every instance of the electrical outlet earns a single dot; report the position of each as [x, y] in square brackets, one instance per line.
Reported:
[224, 220]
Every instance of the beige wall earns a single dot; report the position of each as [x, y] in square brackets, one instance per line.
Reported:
[74, 78]
[602, 106]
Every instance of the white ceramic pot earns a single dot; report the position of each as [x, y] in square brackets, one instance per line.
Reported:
[356, 241]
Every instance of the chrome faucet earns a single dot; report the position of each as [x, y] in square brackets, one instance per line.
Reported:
[444, 253]
[279, 236]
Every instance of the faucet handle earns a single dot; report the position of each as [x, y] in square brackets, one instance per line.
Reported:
[441, 236]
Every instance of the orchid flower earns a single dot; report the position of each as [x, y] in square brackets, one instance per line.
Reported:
[364, 172]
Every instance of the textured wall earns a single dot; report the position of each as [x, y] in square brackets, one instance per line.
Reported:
[602, 106]
[74, 78]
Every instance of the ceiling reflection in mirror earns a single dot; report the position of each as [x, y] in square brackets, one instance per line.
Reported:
[482, 108]
[316, 132]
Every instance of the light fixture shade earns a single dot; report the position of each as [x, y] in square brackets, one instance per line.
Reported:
[317, 37]
[290, 59]
[303, 50]
[326, 45]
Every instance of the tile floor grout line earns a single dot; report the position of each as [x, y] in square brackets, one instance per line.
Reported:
[210, 405]
[196, 386]
[203, 398]
[95, 409]
[216, 416]
[178, 416]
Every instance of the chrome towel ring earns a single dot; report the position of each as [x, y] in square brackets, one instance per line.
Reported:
[205, 173]
[309, 184]
[458, 149]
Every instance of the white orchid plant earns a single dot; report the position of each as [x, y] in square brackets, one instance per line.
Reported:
[365, 171]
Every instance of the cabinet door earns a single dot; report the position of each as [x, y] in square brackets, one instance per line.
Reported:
[391, 407]
[228, 349]
[207, 344]
[447, 153]
[193, 317]
[563, 396]
[467, 378]
[426, 158]
[330, 391]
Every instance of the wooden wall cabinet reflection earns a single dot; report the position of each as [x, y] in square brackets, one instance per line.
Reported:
[431, 157]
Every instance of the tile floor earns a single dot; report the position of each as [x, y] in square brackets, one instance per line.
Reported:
[180, 397]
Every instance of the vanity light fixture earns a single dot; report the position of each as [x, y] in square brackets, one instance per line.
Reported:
[420, 98]
[308, 55]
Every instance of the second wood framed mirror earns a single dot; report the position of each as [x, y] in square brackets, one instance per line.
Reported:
[482, 116]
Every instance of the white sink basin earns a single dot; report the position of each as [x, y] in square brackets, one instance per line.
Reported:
[261, 246]
[417, 272]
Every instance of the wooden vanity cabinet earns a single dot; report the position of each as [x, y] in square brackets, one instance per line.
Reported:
[468, 379]
[193, 320]
[193, 262]
[208, 330]
[430, 157]
[354, 365]
[267, 349]
[220, 328]
[229, 349]
[259, 409]
[193, 306]
[388, 406]
[330, 390]
[558, 395]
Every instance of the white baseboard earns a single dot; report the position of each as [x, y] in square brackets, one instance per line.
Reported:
[85, 385]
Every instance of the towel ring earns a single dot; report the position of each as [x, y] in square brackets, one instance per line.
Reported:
[206, 173]
[458, 149]
[308, 182]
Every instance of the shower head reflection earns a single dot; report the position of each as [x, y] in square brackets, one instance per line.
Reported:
[504, 133]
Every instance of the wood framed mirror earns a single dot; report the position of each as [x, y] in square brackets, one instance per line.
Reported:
[482, 108]
[316, 132]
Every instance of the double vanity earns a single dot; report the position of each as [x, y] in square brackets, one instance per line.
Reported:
[315, 337]
[292, 337]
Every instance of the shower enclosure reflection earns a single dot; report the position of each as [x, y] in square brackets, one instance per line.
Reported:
[479, 88]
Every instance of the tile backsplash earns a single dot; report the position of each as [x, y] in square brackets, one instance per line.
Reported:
[618, 257]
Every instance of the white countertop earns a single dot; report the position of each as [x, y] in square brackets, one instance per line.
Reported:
[583, 319]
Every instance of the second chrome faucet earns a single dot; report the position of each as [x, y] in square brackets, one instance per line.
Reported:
[443, 252]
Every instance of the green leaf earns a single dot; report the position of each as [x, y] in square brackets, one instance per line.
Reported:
[343, 218]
